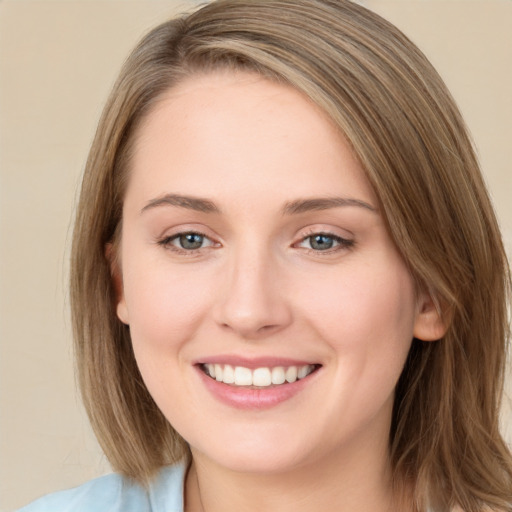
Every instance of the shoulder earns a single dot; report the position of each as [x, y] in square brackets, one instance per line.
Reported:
[106, 493]
[115, 493]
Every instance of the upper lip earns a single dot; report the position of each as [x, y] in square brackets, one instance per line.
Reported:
[254, 362]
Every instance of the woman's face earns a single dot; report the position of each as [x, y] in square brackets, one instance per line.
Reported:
[253, 249]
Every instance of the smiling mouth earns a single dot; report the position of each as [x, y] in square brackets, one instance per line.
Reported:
[263, 377]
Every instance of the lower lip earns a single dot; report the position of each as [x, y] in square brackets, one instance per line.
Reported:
[242, 397]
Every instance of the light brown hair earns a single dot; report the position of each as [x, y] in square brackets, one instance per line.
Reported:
[403, 125]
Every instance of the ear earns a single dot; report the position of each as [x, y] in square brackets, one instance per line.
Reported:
[431, 322]
[117, 282]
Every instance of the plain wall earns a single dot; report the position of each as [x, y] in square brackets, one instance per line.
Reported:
[58, 60]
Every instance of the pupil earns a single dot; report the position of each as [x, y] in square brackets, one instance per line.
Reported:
[191, 241]
[322, 242]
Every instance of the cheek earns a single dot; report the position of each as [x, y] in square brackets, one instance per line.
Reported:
[165, 305]
[166, 309]
[365, 298]
[367, 321]
[367, 317]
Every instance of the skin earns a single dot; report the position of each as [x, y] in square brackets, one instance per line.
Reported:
[258, 288]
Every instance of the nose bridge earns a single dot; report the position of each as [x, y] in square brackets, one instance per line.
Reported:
[253, 302]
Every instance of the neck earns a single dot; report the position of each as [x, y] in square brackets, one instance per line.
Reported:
[360, 482]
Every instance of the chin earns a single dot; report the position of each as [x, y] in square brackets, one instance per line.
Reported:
[257, 455]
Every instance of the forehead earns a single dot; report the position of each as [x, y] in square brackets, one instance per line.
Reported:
[242, 129]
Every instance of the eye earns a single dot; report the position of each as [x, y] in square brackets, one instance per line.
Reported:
[190, 241]
[325, 242]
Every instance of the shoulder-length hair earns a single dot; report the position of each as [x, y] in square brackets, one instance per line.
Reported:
[403, 125]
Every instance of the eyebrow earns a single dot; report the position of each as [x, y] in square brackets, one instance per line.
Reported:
[192, 203]
[324, 203]
[291, 208]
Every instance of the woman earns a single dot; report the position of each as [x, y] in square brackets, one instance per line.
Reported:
[288, 285]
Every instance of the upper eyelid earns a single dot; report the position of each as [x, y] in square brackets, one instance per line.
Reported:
[318, 230]
[325, 233]
[182, 229]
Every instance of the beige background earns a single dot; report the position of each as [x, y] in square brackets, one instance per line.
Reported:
[57, 63]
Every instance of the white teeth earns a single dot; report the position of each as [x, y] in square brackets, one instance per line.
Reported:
[291, 374]
[243, 376]
[260, 377]
[228, 377]
[301, 373]
[278, 376]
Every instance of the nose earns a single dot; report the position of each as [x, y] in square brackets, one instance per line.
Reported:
[253, 302]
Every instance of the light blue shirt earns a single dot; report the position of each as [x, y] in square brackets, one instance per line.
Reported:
[114, 493]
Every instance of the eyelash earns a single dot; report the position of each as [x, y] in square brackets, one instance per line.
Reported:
[342, 243]
[166, 242]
